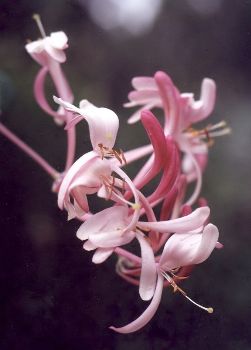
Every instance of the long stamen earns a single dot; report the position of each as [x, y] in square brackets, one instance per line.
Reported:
[210, 310]
[37, 19]
[210, 131]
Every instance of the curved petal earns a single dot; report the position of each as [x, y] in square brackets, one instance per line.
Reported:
[101, 255]
[58, 40]
[189, 248]
[209, 240]
[204, 107]
[110, 239]
[103, 124]
[180, 225]
[170, 100]
[148, 270]
[68, 106]
[147, 315]
[143, 97]
[161, 152]
[89, 246]
[57, 54]
[107, 219]
[75, 168]
[144, 83]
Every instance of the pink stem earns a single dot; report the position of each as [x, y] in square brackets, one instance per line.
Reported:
[29, 151]
[64, 91]
[71, 146]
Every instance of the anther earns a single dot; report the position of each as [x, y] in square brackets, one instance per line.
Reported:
[37, 19]
[136, 206]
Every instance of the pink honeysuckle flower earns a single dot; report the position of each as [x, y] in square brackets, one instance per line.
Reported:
[181, 249]
[111, 228]
[159, 91]
[104, 231]
[103, 122]
[48, 48]
[49, 53]
[181, 112]
[85, 176]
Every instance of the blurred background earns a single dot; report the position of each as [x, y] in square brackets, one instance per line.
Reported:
[52, 296]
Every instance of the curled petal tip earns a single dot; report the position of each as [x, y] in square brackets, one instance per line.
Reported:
[160, 76]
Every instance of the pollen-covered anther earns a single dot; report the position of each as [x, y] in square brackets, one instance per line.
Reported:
[111, 153]
[136, 206]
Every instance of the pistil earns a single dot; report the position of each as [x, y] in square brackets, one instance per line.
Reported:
[37, 19]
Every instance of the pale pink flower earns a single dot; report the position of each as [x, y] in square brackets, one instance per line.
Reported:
[48, 48]
[49, 53]
[103, 122]
[111, 228]
[85, 176]
[181, 249]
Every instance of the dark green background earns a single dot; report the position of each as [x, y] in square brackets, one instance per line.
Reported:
[52, 296]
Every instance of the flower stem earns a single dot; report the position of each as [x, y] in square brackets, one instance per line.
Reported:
[71, 146]
[29, 151]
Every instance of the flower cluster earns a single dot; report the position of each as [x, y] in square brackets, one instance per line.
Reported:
[175, 236]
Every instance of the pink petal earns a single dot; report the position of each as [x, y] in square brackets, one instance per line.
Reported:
[171, 101]
[209, 240]
[67, 105]
[110, 218]
[111, 238]
[148, 271]
[157, 138]
[144, 97]
[189, 248]
[103, 124]
[89, 246]
[204, 107]
[180, 225]
[56, 54]
[147, 315]
[170, 173]
[81, 163]
[101, 255]
[144, 83]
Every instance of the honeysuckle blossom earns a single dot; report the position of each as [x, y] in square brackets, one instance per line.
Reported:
[86, 176]
[181, 249]
[48, 51]
[178, 155]
[103, 123]
[181, 111]
[49, 47]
